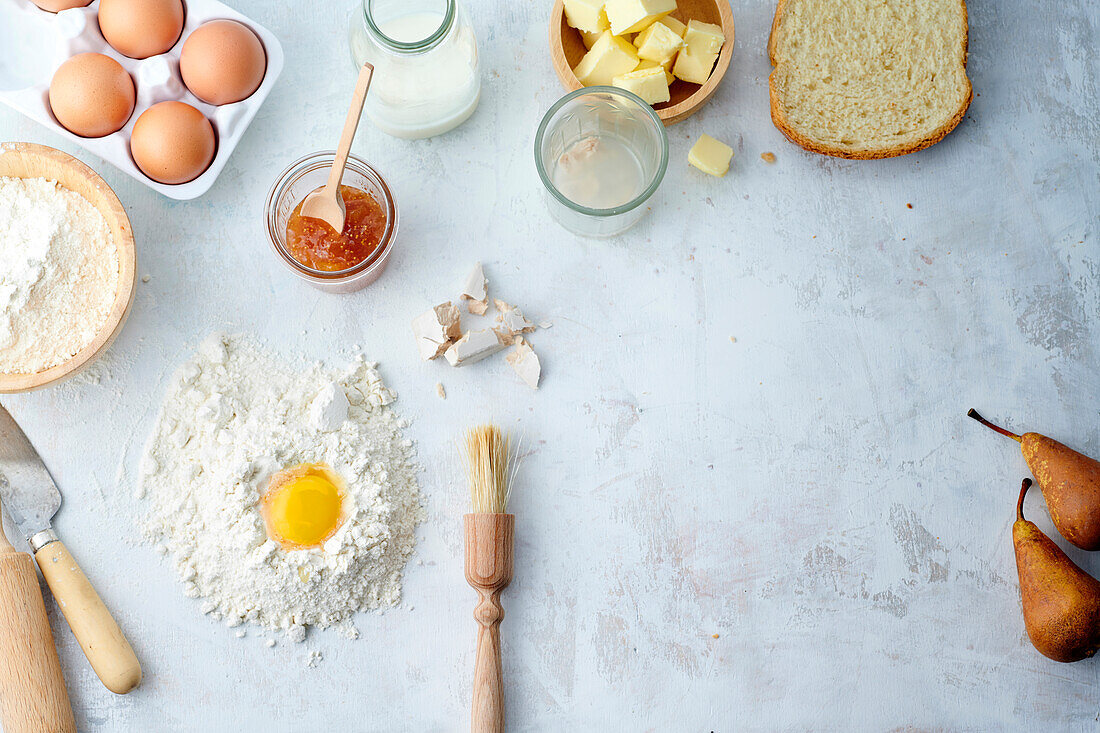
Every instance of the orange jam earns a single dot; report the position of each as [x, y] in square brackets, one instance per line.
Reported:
[315, 244]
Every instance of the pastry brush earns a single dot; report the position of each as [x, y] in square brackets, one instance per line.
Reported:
[489, 532]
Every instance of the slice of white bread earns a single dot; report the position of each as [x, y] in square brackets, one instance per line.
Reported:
[868, 78]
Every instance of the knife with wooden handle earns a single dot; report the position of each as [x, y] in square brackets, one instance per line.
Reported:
[33, 698]
[31, 498]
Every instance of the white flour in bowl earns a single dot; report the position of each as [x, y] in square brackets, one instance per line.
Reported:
[59, 274]
[233, 416]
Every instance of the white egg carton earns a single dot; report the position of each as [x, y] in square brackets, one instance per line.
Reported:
[33, 43]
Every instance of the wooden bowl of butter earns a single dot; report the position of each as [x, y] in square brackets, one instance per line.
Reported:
[671, 53]
[71, 281]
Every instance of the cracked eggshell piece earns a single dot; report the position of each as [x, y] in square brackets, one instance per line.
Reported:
[476, 291]
[512, 325]
[506, 337]
[526, 363]
[451, 320]
[512, 319]
[437, 329]
[474, 346]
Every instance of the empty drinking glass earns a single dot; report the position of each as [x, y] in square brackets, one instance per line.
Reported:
[601, 153]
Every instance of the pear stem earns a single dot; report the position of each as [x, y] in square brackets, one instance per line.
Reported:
[1020, 504]
[997, 428]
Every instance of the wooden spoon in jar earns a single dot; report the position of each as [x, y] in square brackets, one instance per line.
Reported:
[326, 203]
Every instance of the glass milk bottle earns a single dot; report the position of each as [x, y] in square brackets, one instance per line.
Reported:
[426, 79]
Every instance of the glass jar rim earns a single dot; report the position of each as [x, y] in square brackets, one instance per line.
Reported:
[311, 162]
[634, 202]
[423, 44]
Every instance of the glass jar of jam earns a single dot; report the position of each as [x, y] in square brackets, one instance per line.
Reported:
[339, 262]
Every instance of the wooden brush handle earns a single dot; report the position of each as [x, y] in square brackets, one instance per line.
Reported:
[487, 708]
[104, 645]
[33, 698]
[489, 540]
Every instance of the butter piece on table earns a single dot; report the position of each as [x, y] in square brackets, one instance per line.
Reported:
[609, 57]
[586, 15]
[631, 16]
[658, 43]
[650, 84]
[710, 156]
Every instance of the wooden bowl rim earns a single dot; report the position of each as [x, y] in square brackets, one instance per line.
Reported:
[669, 115]
[123, 235]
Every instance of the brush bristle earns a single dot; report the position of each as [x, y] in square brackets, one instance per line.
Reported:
[488, 459]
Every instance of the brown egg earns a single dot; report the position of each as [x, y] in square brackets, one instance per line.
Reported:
[91, 95]
[172, 142]
[222, 62]
[56, 6]
[141, 28]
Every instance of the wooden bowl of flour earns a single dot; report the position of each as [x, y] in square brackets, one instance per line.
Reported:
[27, 160]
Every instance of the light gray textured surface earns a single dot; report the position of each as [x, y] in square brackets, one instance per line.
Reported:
[796, 531]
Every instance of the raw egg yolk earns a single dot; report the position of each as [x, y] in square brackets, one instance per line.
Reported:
[303, 506]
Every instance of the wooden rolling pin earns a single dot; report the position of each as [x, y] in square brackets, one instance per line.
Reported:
[33, 698]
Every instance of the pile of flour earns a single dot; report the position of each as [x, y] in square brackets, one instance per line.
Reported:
[233, 416]
[59, 274]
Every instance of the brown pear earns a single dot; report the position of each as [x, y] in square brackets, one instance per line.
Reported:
[1070, 483]
[1061, 601]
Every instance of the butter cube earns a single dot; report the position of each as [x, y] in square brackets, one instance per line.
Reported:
[692, 67]
[658, 43]
[673, 25]
[609, 57]
[702, 42]
[631, 16]
[710, 156]
[649, 84]
[591, 38]
[586, 15]
[669, 78]
[704, 37]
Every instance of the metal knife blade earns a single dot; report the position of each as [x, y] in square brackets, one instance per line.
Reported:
[27, 490]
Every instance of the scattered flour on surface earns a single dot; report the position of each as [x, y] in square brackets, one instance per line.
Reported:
[232, 417]
[59, 273]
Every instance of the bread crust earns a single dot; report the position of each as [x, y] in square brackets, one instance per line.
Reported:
[784, 126]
